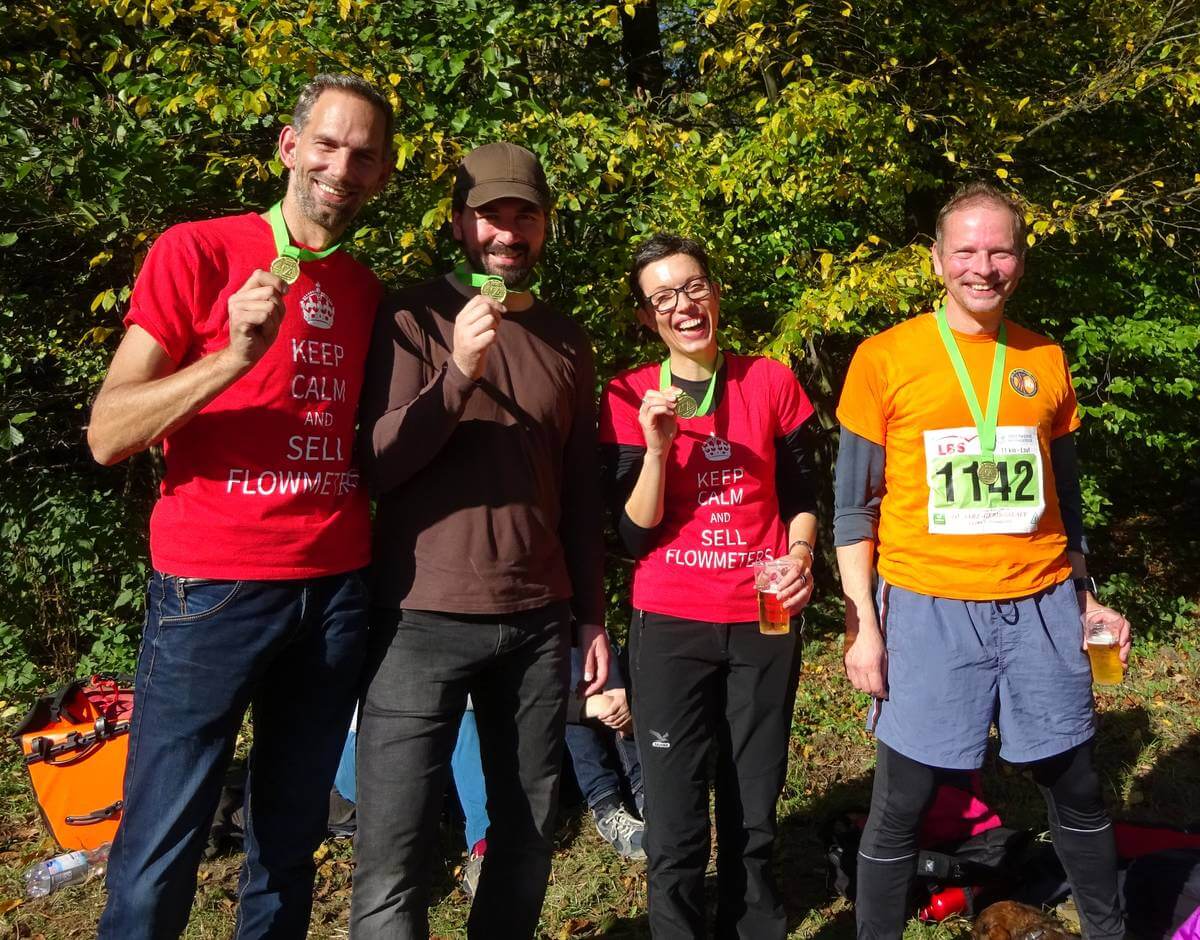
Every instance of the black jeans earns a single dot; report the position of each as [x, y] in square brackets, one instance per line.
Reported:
[421, 666]
[695, 685]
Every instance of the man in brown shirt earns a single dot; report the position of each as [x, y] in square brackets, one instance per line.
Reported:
[479, 439]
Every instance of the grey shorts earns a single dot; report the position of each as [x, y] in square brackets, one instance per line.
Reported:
[954, 667]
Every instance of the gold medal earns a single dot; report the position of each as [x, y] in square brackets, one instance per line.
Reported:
[685, 405]
[989, 473]
[285, 268]
[494, 289]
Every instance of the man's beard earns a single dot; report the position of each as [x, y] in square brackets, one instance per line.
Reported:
[331, 218]
[514, 278]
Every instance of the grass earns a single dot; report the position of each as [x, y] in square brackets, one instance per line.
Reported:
[1148, 753]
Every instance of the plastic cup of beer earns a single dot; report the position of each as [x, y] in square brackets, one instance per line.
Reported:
[773, 619]
[1103, 648]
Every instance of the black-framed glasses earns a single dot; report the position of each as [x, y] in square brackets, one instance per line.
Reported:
[666, 299]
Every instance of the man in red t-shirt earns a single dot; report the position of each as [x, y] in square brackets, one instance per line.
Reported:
[244, 357]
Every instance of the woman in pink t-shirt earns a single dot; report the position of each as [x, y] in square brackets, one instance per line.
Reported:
[706, 458]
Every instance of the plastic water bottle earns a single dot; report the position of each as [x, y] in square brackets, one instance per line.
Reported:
[70, 868]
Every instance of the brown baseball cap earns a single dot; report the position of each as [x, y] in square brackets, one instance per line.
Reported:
[499, 171]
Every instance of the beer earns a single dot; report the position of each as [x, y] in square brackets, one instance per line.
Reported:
[1105, 656]
[772, 617]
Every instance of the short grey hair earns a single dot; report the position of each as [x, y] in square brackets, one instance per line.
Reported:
[348, 83]
[973, 194]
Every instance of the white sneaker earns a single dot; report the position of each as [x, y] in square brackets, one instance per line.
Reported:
[470, 874]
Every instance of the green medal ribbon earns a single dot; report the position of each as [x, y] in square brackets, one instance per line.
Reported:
[985, 425]
[286, 265]
[685, 405]
[490, 285]
[283, 241]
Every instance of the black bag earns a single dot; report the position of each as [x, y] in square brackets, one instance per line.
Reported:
[1162, 890]
[992, 857]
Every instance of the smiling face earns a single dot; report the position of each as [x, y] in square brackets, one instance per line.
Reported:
[980, 260]
[503, 237]
[338, 160]
[691, 328]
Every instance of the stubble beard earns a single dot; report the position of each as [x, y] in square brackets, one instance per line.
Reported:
[333, 219]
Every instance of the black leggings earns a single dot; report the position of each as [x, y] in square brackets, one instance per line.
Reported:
[1079, 824]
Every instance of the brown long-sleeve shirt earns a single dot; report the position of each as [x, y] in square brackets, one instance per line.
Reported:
[488, 491]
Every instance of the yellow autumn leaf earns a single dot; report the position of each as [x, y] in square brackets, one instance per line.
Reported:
[1030, 239]
[103, 258]
[1004, 157]
[807, 60]
[1002, 173]
[826, 263]
[1114, 196]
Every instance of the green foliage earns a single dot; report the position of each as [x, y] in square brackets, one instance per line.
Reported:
[809, 145]
[72, 560]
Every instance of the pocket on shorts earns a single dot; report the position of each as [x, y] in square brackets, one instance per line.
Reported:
[189, 600]
[884, 611]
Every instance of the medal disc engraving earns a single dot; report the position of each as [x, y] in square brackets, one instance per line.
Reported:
[494, 289]
[989, 473]
[286, 269]
[685, 405]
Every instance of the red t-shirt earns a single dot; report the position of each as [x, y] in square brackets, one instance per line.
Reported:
[720, 509]
[263, 482]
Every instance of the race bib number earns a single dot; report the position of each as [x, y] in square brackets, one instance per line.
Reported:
[962, 503]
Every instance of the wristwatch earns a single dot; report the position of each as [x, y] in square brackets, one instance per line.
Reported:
[1087, 583]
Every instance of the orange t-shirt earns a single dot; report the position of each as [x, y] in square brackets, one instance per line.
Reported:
[944, 531]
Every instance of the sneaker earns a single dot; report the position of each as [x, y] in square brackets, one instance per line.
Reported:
[471, 870]
[343, 818]
[622, 830]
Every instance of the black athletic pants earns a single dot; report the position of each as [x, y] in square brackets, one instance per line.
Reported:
[1079, 825]
[696, 685]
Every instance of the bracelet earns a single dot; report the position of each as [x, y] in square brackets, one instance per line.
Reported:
[811, 553]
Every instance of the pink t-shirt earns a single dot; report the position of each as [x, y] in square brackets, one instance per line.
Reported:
[263, 482]
[720, 509]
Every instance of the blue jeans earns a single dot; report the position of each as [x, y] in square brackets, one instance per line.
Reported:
[465, 764]
[293, 650]
[591, 756]
[467, 767]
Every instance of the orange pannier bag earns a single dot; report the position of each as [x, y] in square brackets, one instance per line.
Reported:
[75, 743]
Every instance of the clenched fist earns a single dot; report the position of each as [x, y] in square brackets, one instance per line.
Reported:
[657, 418]
[255, 312]
[475, 329]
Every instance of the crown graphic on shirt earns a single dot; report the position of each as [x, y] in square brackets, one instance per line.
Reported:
[317, 308]
[716, 448]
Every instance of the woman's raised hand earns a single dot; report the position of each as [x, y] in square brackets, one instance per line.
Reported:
[657, 418]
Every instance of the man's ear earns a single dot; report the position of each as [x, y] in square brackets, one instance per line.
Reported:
[287, 147]
[937, 258]
[456, 224]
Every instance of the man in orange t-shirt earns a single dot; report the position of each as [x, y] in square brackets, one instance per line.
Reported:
[957, 466]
